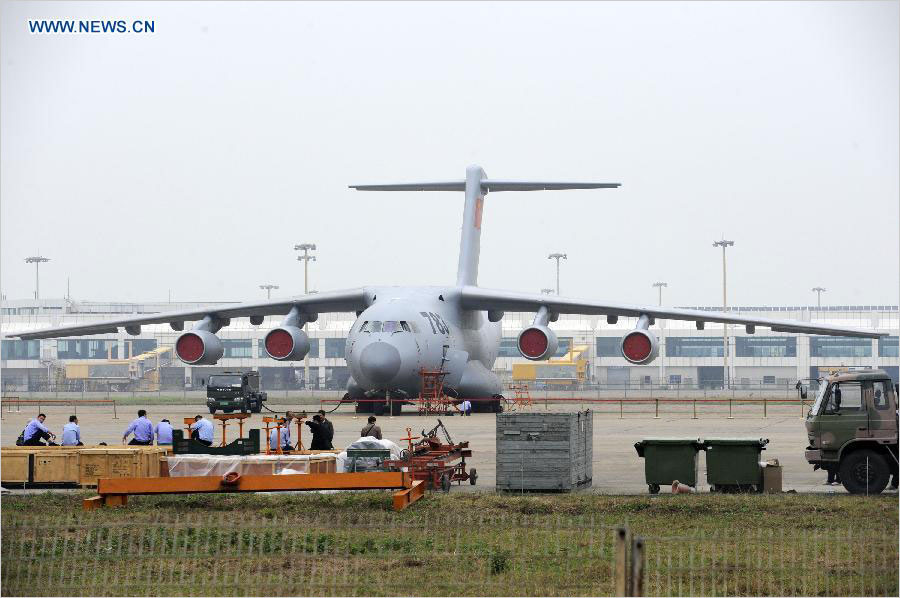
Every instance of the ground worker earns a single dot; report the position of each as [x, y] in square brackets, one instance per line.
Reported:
[202, 430]
[285, 437]
[327, 422]
[36, 431]
[142, 429]
[466, 407]
[320, 432]
[72, 433]
[371, 429]
[163, 432]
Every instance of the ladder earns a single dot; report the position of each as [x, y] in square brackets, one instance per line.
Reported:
[432, 400]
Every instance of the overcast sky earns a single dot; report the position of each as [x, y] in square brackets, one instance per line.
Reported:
[193, 159]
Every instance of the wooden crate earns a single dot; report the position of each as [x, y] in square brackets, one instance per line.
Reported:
[15, 467]
[56, 467]
[544, 451]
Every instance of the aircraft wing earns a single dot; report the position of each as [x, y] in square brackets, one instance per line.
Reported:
[487, 299]
[335, 301]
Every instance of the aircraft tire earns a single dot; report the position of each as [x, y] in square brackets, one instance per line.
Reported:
[212, 410]
[378, 408]
[396, 408]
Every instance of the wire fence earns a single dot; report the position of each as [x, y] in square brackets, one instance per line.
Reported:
[374, 554]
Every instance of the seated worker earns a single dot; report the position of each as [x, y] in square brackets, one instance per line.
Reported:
[285, 438]
[36, 431]
[321, 433]
[163, 432]
[142, 428]
[202, 430]
[371, 429]
[72, 433]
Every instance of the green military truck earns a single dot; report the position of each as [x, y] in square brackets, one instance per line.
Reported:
[234, 391]
[852, 429]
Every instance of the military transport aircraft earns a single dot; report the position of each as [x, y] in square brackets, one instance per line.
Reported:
[401, 331]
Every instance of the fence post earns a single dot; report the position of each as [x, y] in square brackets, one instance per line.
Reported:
[730, 400]
[621, 408]
[638, 560]
[657, 410]
[695, 408]
[622, 574]
[765, 407]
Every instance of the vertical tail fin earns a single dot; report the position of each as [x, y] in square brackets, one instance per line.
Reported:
[476, 186]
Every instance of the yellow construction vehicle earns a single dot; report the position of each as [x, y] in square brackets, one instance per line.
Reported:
[566, 372]
[140, 372]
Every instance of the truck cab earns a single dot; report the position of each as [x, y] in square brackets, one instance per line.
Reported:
[852, 428]
[234, 391]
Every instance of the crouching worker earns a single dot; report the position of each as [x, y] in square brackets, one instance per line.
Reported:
[72, 433]
[35, 432]
[202, 430]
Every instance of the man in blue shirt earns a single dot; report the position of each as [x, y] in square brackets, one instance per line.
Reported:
[202, 430]
[163, 432]
[285, 437]
[36, 431]
[72, 433]
[142, 429]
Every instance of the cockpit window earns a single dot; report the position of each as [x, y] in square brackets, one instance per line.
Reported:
[363, 327]
[375, 326]
[405, 326]
[391, 327]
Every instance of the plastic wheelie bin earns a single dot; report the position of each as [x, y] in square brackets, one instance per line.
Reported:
[669, 459]
[732, 464]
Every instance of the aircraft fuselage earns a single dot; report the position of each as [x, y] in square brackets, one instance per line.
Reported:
[407, 330]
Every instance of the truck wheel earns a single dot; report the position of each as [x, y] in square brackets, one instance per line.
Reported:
[245, 406]
[257, 407]
[396, 408]
[864, 472]
[212, 410]
[653, 488]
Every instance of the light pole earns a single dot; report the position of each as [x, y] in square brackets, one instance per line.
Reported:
[818, 291]
[306, 248]
[305, 258]
[724, 244]
[557, 257]
[37, 260]
[662, 352]
[268, 289]
[660, 286]
[546, 291]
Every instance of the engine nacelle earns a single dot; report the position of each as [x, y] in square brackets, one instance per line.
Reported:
[287, 343]
[537, 343]
[640, 346]
[199, 347]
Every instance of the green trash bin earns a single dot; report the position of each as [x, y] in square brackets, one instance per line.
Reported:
[669, 459]
[732, 464]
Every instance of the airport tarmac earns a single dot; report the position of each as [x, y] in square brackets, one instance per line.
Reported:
[617, 468]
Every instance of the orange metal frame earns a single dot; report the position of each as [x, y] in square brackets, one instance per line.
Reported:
[229, 416]
[115, 491]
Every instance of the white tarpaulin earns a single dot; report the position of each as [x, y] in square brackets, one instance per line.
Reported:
[367, 442]
[215, 465]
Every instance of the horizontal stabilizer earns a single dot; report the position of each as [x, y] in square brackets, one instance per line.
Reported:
[438, 186]
[491, 185]
[486, 186]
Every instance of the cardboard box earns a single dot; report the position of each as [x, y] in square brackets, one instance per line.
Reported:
[772, 479]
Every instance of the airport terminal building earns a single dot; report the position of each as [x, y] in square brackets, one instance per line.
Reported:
[689, 358]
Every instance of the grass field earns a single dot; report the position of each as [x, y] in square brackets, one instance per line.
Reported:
[462, 544]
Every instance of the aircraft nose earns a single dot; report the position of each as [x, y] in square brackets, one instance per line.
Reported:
[380, 362]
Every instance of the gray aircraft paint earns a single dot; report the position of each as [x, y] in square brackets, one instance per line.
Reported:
[454, 328]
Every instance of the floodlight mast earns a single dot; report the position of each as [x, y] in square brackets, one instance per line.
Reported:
[37, 260]
[268, 289]
[818, 291]
[557, 257]
[305, 258]
[724, 244]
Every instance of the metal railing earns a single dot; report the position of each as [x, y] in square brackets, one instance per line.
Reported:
[377, 553]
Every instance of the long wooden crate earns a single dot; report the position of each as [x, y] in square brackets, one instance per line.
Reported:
[78, 465]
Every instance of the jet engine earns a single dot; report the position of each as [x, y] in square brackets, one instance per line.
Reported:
[199, 347]
[287, 343]
[537, 343]
[640, 346]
